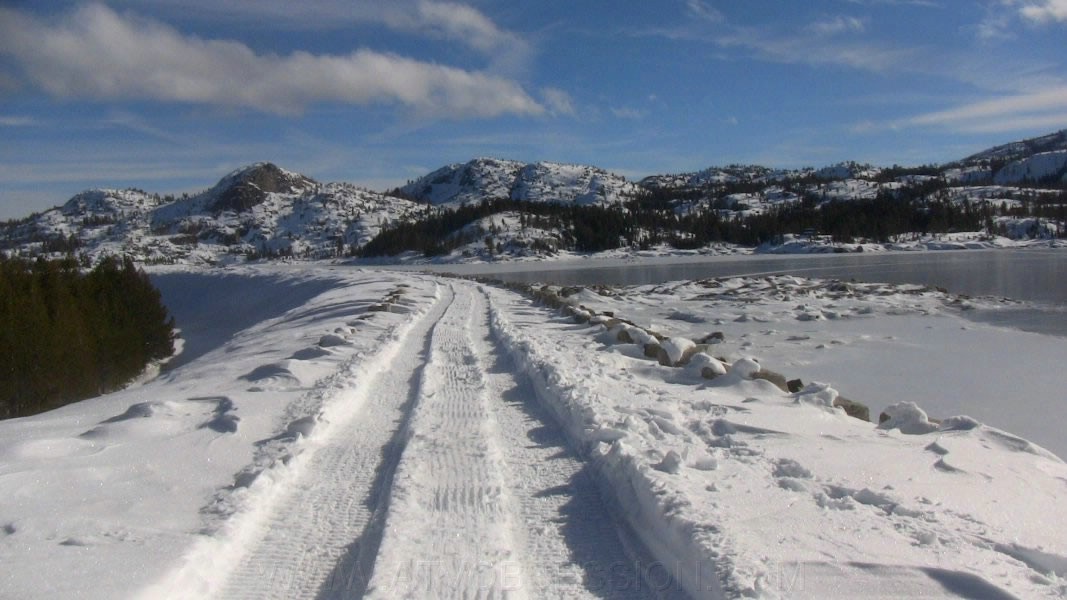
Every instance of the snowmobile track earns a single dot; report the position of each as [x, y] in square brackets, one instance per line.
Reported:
[450, 483]
[323, 535]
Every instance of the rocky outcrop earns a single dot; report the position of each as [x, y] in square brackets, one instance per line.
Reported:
[853, 409]
[249, 187]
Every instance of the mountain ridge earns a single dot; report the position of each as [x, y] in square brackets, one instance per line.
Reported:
[263, 210]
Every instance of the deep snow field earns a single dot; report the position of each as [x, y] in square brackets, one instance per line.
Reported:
[332, 432]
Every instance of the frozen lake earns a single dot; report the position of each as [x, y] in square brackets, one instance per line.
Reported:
[1036, 277]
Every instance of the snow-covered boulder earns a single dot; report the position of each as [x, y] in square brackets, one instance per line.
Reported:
[746, 368]
[907, 417]
[674, 351]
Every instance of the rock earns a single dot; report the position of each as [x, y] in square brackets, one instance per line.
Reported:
[776, 378]
[671, 463]
[794, 385]
[673, 351]
[716, 337]
[624, 336]
[242, 190]
[688, 355]
[639, 336]
[550, 298]
[855, 409]
[746, 368]
[332, 340]
[652, 350]
[710, 367]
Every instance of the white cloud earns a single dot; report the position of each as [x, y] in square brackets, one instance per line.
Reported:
[14, 121]
[625, 112]
[836, 25]
[812, 49]
[1046, 108]
[924, 3]
[450, 21]
[460, 23]
[96, 53]
[704, 11]
[1002, 17]
[1043, 11]
[558, 101]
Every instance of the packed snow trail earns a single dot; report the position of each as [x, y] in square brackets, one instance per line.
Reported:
[487, 501]
[447, 484]
[322, 535]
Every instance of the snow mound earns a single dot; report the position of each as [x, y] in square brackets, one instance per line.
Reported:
[908, 418]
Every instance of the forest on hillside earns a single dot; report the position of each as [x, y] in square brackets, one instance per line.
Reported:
[652, 217]
[67, 335]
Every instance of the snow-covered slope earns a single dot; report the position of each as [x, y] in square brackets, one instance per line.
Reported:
[1020, 149]
[1045, 167]
[718, 176]
[259, 210]
[488, 178]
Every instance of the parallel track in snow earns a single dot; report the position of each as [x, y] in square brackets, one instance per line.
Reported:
[321, 539]
[451, 483]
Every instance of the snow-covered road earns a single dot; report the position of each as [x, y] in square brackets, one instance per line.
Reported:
[362, 434]
[448, 483]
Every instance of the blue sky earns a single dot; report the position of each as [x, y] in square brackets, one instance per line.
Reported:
[169, 95]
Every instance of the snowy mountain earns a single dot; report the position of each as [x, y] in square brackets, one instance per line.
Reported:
[1020, 149]
[1040, 160]
[259, 210]
[1045, 167]
[489, 178]
[263, 210]
[717, 176]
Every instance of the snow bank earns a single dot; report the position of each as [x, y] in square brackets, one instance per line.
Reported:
[117, 492]
[773, 493]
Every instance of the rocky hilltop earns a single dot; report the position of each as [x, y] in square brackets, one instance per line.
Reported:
[258, 211]
[490, 178]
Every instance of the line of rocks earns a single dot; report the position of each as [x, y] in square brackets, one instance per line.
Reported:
[675, 352]
[392, 302]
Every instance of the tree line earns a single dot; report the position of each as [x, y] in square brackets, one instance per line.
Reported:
[67, 335]
[652, 218]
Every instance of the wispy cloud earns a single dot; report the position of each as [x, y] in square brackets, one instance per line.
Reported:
[1044, 11]
[816, 43]
[444, 20]
[837, 25]
[96, 53]
[558, 101]
[924, 3]
[17, 121]
[704, 11]
[810, 48]
[626, 112]
[1046, 108]
[1003, 17]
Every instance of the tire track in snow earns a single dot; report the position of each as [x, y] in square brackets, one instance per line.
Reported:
[321, 538]
[488, 500]
[572, 544]
[449, 529]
